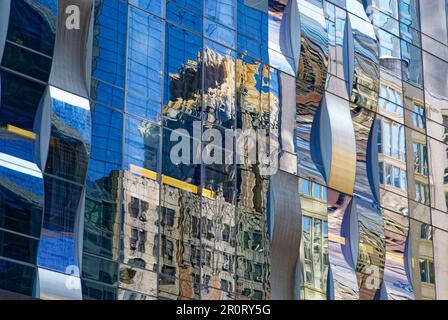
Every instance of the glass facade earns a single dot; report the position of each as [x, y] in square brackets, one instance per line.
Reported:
[124, 174]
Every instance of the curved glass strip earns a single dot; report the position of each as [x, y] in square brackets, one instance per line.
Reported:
[69, 150]
[396, 284]
[70, 139]
[284, 35]
[366, 60]
[343, 284]
[310, 86]
[70, 61]
[370, 256]
[337, 144]
[58, 249]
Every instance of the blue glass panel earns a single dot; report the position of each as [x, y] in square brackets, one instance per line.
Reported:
[16, 145]
[109, 41]
[106, 153]
[183, 17]
[142, 107]
[219, 33]
[142, 143]
[21, 198]
[192, 5]
[69, 151]
[145, 54]
[58, 245]
[106, 94]
[222, 11]
[154, 6]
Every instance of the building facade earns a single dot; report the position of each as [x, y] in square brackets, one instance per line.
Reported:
[349, 96]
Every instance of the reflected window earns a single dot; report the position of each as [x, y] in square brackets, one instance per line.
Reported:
[421, 193]
[393, 140]
[412, 65]
[312, 189]
[137, 240]
[167, 248]
[395, 177]
[138, 208]
[426, 232]
[305, 187]
[420, 159]
[168, 216]
[427, 271]
[316, 261]
[419, 117]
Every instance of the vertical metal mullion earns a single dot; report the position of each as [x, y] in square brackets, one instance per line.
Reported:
[235, 124]
[202, 169]
[161, 148]
[122, 199]
[427, 155]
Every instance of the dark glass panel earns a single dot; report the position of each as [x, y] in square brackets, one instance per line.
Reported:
[95, 291]
[32, 23]
[18, 247]
[27, 62]
[21, 202]
[17, 278]
[20, 99]
[183, 17]
[99, 270]
[101, 228]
